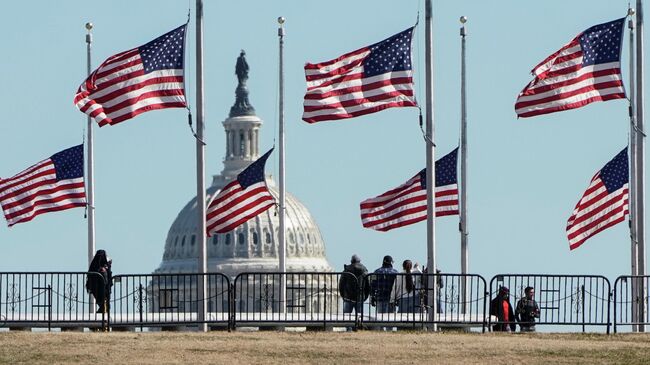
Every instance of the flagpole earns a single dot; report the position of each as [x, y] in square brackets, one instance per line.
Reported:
[431, 174]
[464, 254]
[90, 168]
[633, 223]
[282, 254]
[640, 162]
[200, 171]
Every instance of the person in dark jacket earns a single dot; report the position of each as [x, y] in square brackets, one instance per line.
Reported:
[527, 310]
[501, 308]
[354, 290]
[100, 286]
[381, 285]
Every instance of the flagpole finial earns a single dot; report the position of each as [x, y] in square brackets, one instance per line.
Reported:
[89, 26]
[631, 11]
[281, 20]
[463, 19]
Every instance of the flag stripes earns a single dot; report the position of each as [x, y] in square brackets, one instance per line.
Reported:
[38, 190]
[127, 84]
[586, 70]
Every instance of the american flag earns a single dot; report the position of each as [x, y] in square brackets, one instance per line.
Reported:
[240, 200]
[604, 204]
[361, 82]
[145, 78]
[51, 185]
[407, 204]
[586, 70]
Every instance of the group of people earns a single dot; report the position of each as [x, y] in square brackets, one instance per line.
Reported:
[525, 313]
[388, 291]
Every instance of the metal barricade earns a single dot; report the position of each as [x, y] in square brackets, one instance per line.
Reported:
[312, 299]
[460, 300]
[627, 300]
[577, 300]
[47, 299]
[168, 300]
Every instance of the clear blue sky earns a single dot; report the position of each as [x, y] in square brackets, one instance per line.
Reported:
[525, 176]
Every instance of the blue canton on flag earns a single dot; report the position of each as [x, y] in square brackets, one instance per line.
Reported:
[392, 54]
[445, 170]
[602, 43]
[616, 172]
[164, 52]
[69, 164]
[254, 173]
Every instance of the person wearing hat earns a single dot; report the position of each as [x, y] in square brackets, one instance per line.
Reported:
[382, 284]
[501, 308]
[353, 286]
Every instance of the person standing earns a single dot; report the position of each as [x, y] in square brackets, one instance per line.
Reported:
[527, 310]
[100, 286]
[382, 284]
[501, 308]
[354, 287]
[404, 293]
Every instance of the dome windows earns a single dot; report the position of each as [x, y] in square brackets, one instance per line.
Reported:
[193, 240]
[227, 239]
[241, 237]
[215, 239]
[255, 238]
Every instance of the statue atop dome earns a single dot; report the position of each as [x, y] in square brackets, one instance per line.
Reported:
[242, 106]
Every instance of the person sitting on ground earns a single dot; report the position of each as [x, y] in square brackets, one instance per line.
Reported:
[404, 293]
[501, 308]
[381, 285]
[354, 289]
[527, 310]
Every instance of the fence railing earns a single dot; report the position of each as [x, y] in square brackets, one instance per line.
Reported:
[578, 300]
[43, 299]
[311, 299]
[60, 299]
[627, 309]
[460, 300]
[168, 300]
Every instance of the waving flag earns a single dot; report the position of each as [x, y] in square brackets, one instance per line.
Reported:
[51, 185]
[586, 70]
[240, 200]
[407, 204]
[145, 78]
[604, 204]
[361, 82]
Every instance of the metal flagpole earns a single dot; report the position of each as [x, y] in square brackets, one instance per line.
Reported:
[633, 223]
[90, 169]
[200, 170]
[464, 255]
[282, 244]
[431, 174]
[640, 161]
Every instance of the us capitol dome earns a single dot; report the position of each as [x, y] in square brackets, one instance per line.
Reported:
[254, 245]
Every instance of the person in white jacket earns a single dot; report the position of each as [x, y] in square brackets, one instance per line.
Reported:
[405, 295]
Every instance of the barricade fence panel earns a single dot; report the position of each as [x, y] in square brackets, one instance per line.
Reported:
[43, 299]
[578, 300]
[311, 298]
[168, 300]
[408, 300]
[631, 303]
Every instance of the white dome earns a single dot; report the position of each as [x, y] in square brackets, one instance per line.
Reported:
[253, 246]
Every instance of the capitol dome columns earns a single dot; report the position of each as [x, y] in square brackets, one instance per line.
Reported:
[242, 129]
